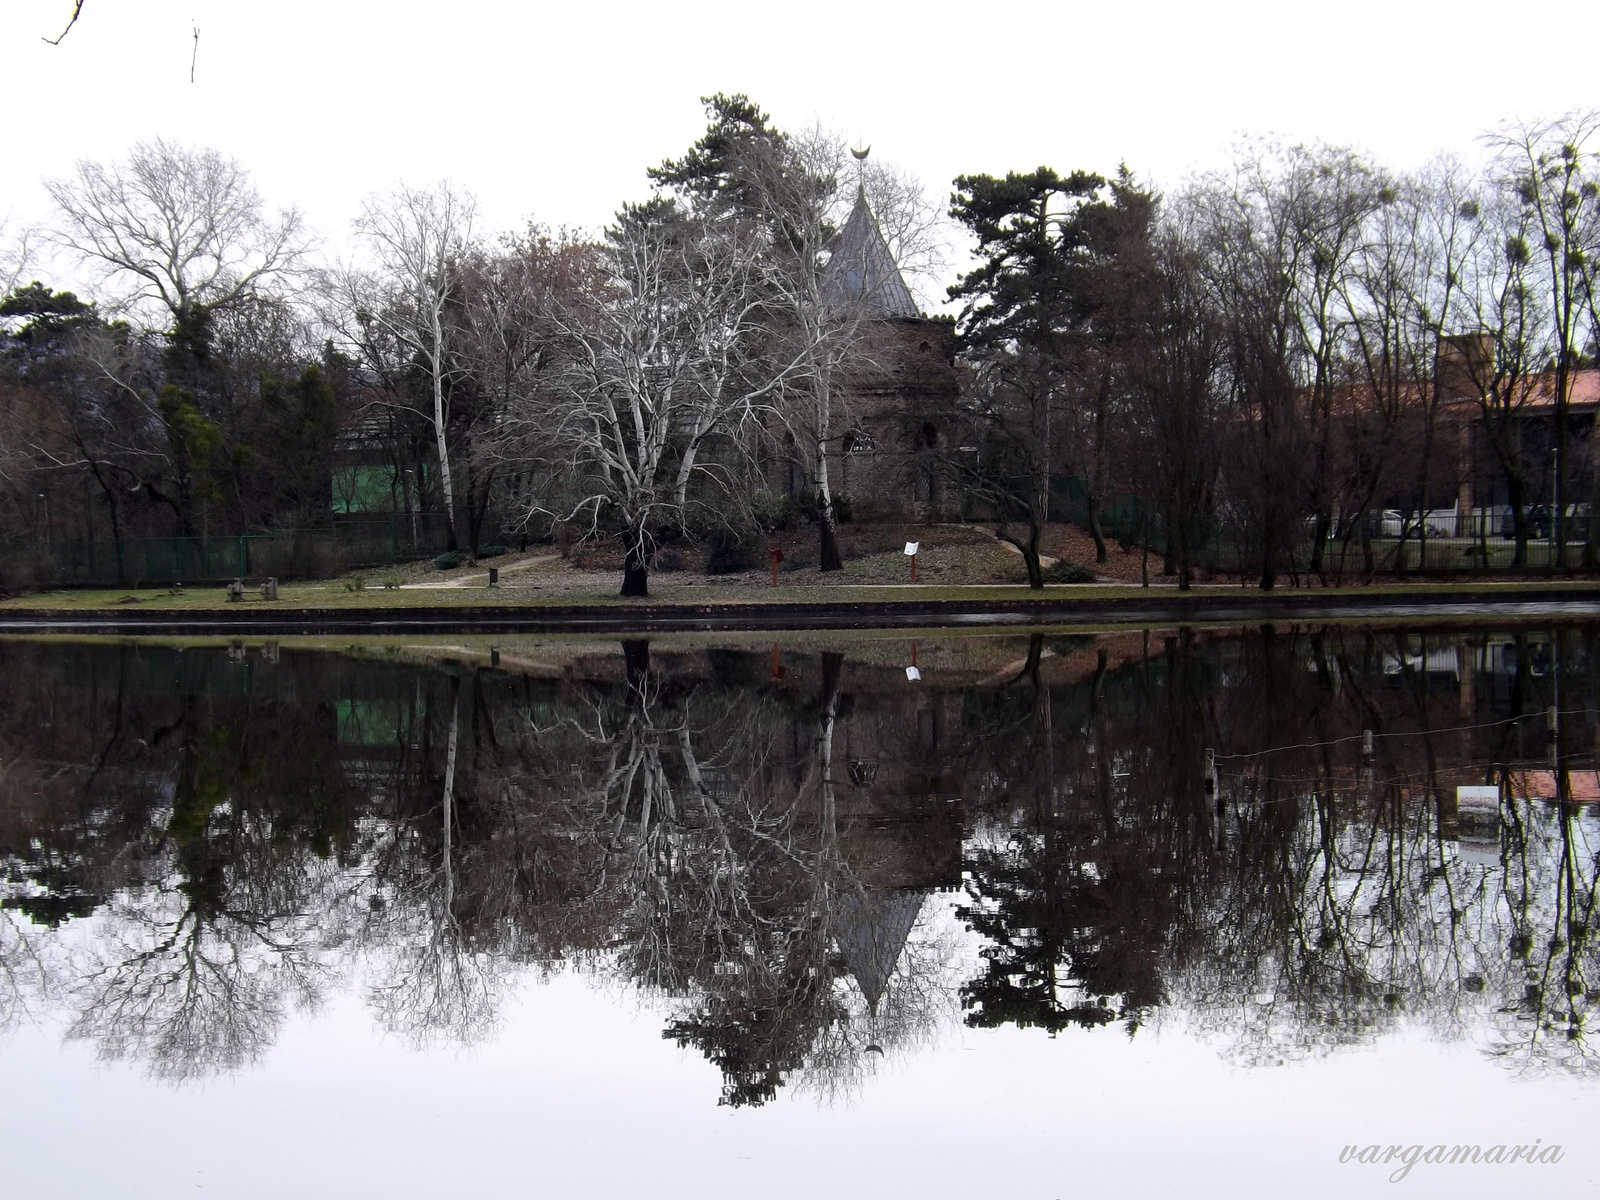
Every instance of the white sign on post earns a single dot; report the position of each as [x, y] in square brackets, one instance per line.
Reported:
[1484, 800]
[913, 674]
[911, 547]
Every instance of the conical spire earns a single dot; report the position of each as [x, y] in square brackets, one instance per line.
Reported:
[862, 269]
[872, 933]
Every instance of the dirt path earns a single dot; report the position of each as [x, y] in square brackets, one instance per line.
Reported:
[481, 578]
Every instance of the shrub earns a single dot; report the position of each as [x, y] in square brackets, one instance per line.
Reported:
[732, 550]
[770, 512]
[449, 560]
[24, 570]
[354, 583]
[1062, 571]
[670, 559]
[491, 551]
[808, 507]
[597, 556]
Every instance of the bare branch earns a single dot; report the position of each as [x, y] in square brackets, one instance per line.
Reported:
[77, 10]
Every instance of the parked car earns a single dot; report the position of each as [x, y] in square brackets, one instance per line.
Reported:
[1439, 522]
[1537, 518]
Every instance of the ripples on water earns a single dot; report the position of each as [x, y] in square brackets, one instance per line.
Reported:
[801, 862]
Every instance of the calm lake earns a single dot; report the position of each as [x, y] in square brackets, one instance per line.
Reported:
[1177, 912]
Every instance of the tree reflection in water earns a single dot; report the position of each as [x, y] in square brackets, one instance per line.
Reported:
[795, 867]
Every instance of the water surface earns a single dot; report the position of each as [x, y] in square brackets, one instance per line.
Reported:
[1169, 911]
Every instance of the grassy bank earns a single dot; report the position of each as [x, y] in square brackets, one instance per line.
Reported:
[956, 563]
[602, 593]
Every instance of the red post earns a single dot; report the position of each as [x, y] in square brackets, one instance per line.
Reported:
[913, 654]
[777, 557]
[777, 667]
[913, 568]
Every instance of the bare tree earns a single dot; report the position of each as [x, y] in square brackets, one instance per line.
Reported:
[913, 222]
[180, 227]
[77, 11]
[1250, 261]
[418, 239]
[1173, 360]
[1552, 168]
[823, 296]
[821, 324]
[506, 345]
[16, 256]
[1505, 360]
[1379, 392]
[658, 355]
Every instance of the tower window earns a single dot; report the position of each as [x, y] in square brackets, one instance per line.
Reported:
[858, 441]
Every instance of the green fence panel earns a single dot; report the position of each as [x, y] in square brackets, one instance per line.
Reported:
[377, 541]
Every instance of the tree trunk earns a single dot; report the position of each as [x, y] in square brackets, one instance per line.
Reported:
[449, 801]
[1591, 539]
[1319, 540]
[478, 492]
[111, 504]
[636, 663]
[827, 524]
[1030, 553]
[1179, 553]
[828, 554]
[1094, 528]
[446, 485]
[1169, 548]
[827, 527]
[1516, 495]
[1558, 523]
[635, 566]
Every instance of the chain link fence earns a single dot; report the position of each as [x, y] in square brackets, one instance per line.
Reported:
[286, 554]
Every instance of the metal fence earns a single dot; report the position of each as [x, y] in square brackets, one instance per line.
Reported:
[1441, 542]
[1387, 544]
[286, 554]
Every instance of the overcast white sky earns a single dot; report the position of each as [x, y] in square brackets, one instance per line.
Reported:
[554, 110]
[577, 1094]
